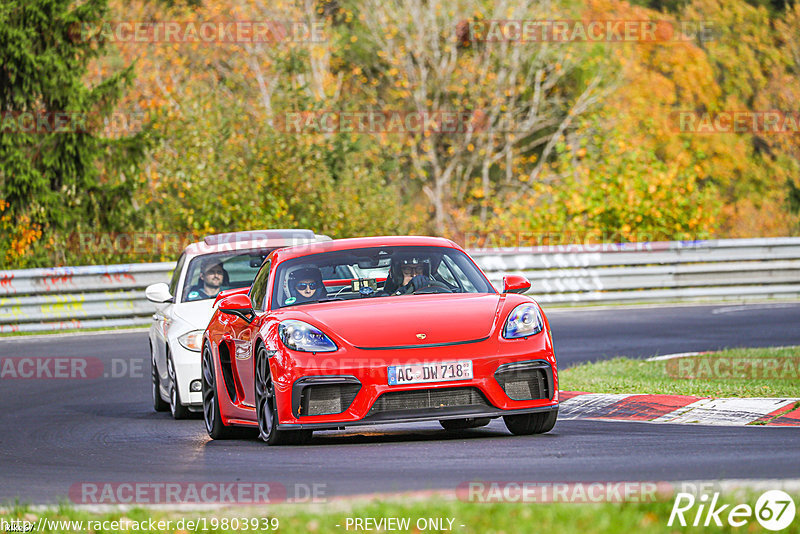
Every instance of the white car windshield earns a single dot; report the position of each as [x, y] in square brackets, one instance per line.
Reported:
[376, 272]
[209, 274]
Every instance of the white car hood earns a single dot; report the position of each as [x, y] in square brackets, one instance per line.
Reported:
[197, 313]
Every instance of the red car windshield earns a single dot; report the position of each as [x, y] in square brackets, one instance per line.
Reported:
[376, 272]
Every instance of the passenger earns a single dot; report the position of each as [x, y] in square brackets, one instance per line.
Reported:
[212, 277]
[305, 285]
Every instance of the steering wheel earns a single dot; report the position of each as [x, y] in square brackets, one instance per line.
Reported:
[433, 287]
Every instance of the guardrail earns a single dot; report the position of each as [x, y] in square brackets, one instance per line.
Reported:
[67, 298]
[724, 269]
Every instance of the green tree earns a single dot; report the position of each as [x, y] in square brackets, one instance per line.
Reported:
[67, 176]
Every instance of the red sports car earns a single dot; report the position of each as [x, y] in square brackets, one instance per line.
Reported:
[376, 330]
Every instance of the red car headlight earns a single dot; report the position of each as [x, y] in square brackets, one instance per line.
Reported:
[304, 337]
[523, 321]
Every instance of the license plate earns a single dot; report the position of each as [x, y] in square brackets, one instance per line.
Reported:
[430, 372]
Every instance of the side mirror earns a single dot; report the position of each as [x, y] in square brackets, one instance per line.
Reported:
[228, 292]
[238, 305]
[514, 283]
[158, 293]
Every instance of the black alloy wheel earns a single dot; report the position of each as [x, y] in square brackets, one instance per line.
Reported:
[267, 408]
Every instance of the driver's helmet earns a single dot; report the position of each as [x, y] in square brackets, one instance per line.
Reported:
[408, 259]
[306, 275]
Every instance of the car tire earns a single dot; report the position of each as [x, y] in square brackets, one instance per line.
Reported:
[159, 404]
[211, 417]
[531, 423]
[267, 407]
[178, 410]
[464, 424]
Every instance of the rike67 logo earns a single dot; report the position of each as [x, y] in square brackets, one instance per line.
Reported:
[774, 510]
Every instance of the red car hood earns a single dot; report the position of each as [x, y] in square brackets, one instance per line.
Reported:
[400, 321]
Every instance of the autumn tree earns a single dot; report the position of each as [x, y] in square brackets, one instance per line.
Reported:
[524, 96]
[58, 177]
[221, 163]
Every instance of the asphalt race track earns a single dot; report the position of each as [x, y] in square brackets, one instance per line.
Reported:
[589, 335]
[57, 434]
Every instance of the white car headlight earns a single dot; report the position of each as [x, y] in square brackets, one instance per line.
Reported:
[304, 337]
[523, 321]
[192, 340]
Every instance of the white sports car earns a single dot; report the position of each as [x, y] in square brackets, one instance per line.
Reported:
[184, 307]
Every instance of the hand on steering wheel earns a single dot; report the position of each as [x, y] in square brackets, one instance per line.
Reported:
[419, 281]
[432, 287]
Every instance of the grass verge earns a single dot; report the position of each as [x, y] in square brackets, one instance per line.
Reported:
[448, 516]
[767, 372]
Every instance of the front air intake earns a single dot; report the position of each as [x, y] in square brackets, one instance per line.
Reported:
[426, 399]
[324, 395]
[525, 380]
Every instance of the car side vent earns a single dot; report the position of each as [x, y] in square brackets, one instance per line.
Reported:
[227, 370]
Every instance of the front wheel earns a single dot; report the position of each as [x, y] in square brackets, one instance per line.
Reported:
[531, 423]
[159, 404]
[211, 416]
[267, 408]
[178, 410]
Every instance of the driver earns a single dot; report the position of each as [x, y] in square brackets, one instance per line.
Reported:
[305, 285]
[212, 277]
[407, 274]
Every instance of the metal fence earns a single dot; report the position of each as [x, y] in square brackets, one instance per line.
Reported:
[67, 298]
[724, 269]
